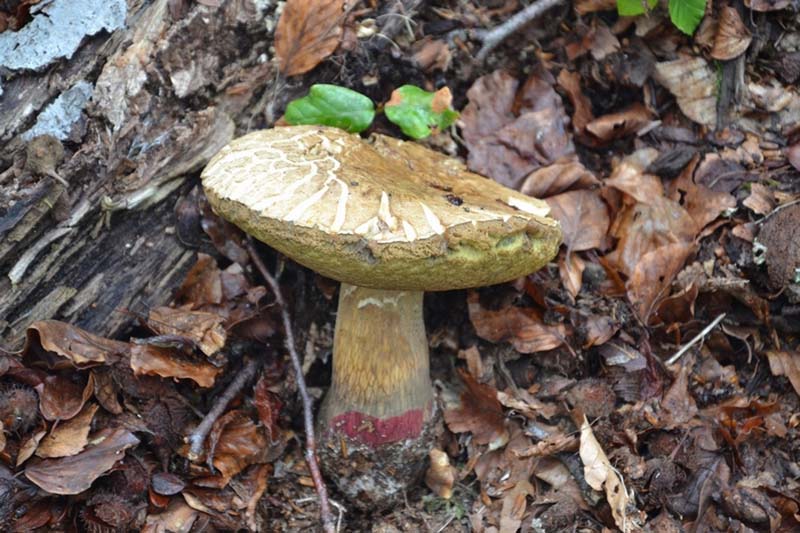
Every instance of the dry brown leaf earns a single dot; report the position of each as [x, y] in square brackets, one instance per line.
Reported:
[511, 131]
[694, 85]
[29, 446]
[599, 330]
[204, 329]
[793, 155]
[202, 285]
[178, 518]
[514, 506]
[61, 398]
[582, 115]
[651, 278]
[155, 361]
[644, 228]
[629, 176]
[786, 364]
[767, 5]
[75, 474]
[307, 32]
[760, 200]
[678, 404]
[480, 413]
[76, 347]
[522, 327]
[583, 216]
[70, 437]
[432, 54]
[570, 270]
[601, 475]
[440, 475]
[557, 178]
[732, 37]
[582, 7]
[240, 444]
[703, 204]
[617, 125]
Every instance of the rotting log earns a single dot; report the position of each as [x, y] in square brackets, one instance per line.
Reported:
[140, 104]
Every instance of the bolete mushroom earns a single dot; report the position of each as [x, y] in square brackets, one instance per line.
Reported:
[389, 219]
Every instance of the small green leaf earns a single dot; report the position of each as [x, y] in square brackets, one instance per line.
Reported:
[331, 105]
[631, 8]
[417, 111]
[687, 14]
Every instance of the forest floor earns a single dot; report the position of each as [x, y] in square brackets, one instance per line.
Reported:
[649, 377]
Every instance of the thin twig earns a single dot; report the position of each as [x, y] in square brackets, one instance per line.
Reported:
[198, 436]
[696, 339]
[308, 418]
[492, 38]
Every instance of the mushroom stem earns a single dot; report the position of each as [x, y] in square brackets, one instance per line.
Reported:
[381, 390]
[378, 413]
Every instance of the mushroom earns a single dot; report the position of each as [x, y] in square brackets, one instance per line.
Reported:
[388, 219]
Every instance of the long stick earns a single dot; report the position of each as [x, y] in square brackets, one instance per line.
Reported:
[308, 418]
[491, 38]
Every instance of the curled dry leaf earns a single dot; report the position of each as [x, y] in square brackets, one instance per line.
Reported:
[732, 37]
[570, 269]
[601, 475]
[61, 398]
[514, 505]
[75, 474]
[479, 413]
[440, 475]
[178, 518]
[154, 361]
[557, 178]
[678, 404]
[521, 326]
[583, 216]
[61, 345]
[202, 285]
[70, 437]
[614, 126]
[761, 200]
[629, 177]
[582, 114]
[237, 443]
[694, 85]
[703, 204]
[307, 32]
[204, 329]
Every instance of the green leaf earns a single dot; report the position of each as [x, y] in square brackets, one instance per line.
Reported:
[687, 14]
[631, 8]
[331, 105]
[418, 112]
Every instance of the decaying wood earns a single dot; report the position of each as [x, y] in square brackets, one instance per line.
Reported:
[167, 91]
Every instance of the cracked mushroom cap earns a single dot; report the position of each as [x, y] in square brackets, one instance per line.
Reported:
[382, 213]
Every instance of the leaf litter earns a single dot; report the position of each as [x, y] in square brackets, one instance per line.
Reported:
[678, 205]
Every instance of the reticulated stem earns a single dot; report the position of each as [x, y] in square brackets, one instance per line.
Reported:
[381, 390]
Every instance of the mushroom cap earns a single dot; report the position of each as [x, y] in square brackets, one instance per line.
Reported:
[382, 213]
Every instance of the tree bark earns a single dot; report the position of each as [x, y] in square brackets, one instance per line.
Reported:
[166, 90]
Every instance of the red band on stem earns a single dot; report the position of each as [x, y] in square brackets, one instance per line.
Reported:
[374, 431]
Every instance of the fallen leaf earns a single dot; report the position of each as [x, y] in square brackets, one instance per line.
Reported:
[76, 473]
[204, 329]
[166, 483]
[703, 204]
[70, 437]
[202, 285]
[512, 131]
[786, 364]
[154, 361]
[307, 32]
[761, 200]
[514, 506]
[73, 346]
[570, 270]
[557, 178]
[584, 219]
[617, 125]
[479, 413]
[732, 38]
[678, 404]
[601, 475]
[694, 85]
[28, 447]
[582, 114]
[237, 442]
[520, 326]
[440, 475]
[178, 518]
[653, 274]
[61, 398]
